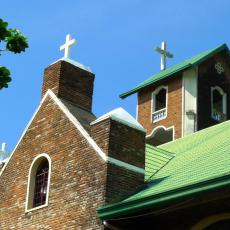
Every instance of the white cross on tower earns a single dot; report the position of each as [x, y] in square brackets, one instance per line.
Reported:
[164, 54]
[66, 47]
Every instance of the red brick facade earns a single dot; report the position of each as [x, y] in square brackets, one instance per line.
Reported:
[77, 176]
[126, 144]
[120, 141]
[174, 109]
[76, 171]
[81, 180]
[70, 83]
[94, 164]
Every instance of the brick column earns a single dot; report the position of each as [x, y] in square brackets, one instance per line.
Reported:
[126, 144]
[69, 82]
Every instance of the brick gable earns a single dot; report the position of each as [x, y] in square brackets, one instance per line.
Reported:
[77, 176]
[83, 177]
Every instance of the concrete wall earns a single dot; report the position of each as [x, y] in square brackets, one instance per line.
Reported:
[189, 101]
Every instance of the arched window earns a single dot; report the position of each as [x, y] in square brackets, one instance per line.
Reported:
[159, 103]
[38, 182]
[160, 135]
[219, 104]
[41, 181]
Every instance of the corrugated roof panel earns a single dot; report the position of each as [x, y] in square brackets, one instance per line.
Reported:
[155, 159]
[199, 158]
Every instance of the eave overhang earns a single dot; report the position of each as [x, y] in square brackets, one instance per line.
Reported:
[129, 207]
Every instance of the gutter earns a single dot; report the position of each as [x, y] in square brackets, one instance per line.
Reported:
[156, 200]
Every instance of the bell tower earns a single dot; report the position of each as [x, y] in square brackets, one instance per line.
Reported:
[184, 98]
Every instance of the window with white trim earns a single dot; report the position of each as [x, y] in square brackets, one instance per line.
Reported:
[159, 103]
[218, 104]
[38, 182]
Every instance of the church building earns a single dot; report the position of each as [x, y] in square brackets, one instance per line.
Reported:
[167, 169]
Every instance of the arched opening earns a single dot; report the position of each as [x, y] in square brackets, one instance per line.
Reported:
[38, 182]
[160, 135]
[159, 103]
[160, 99]
[219, 104]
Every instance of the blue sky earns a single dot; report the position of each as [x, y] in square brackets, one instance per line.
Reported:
[115, 38]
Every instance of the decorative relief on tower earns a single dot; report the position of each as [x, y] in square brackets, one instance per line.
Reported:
[219, 68]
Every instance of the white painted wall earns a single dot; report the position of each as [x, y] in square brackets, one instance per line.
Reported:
[189, 101]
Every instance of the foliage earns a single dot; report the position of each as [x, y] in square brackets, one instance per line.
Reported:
[14, 42]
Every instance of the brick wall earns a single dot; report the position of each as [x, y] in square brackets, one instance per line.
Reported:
[78, 177]
[121, 183]
[126, 144]
[174, 110]
[70, 83]
[81, 181]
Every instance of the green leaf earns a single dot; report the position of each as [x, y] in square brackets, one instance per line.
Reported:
[4, 77]
[4, 71]
[16, 42]
[3, 30]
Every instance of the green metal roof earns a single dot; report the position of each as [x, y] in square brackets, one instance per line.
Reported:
[201, 162]
[175, 69]
[155, 160]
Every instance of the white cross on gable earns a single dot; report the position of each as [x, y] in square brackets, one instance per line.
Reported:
[66, 47]
[164, 54]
